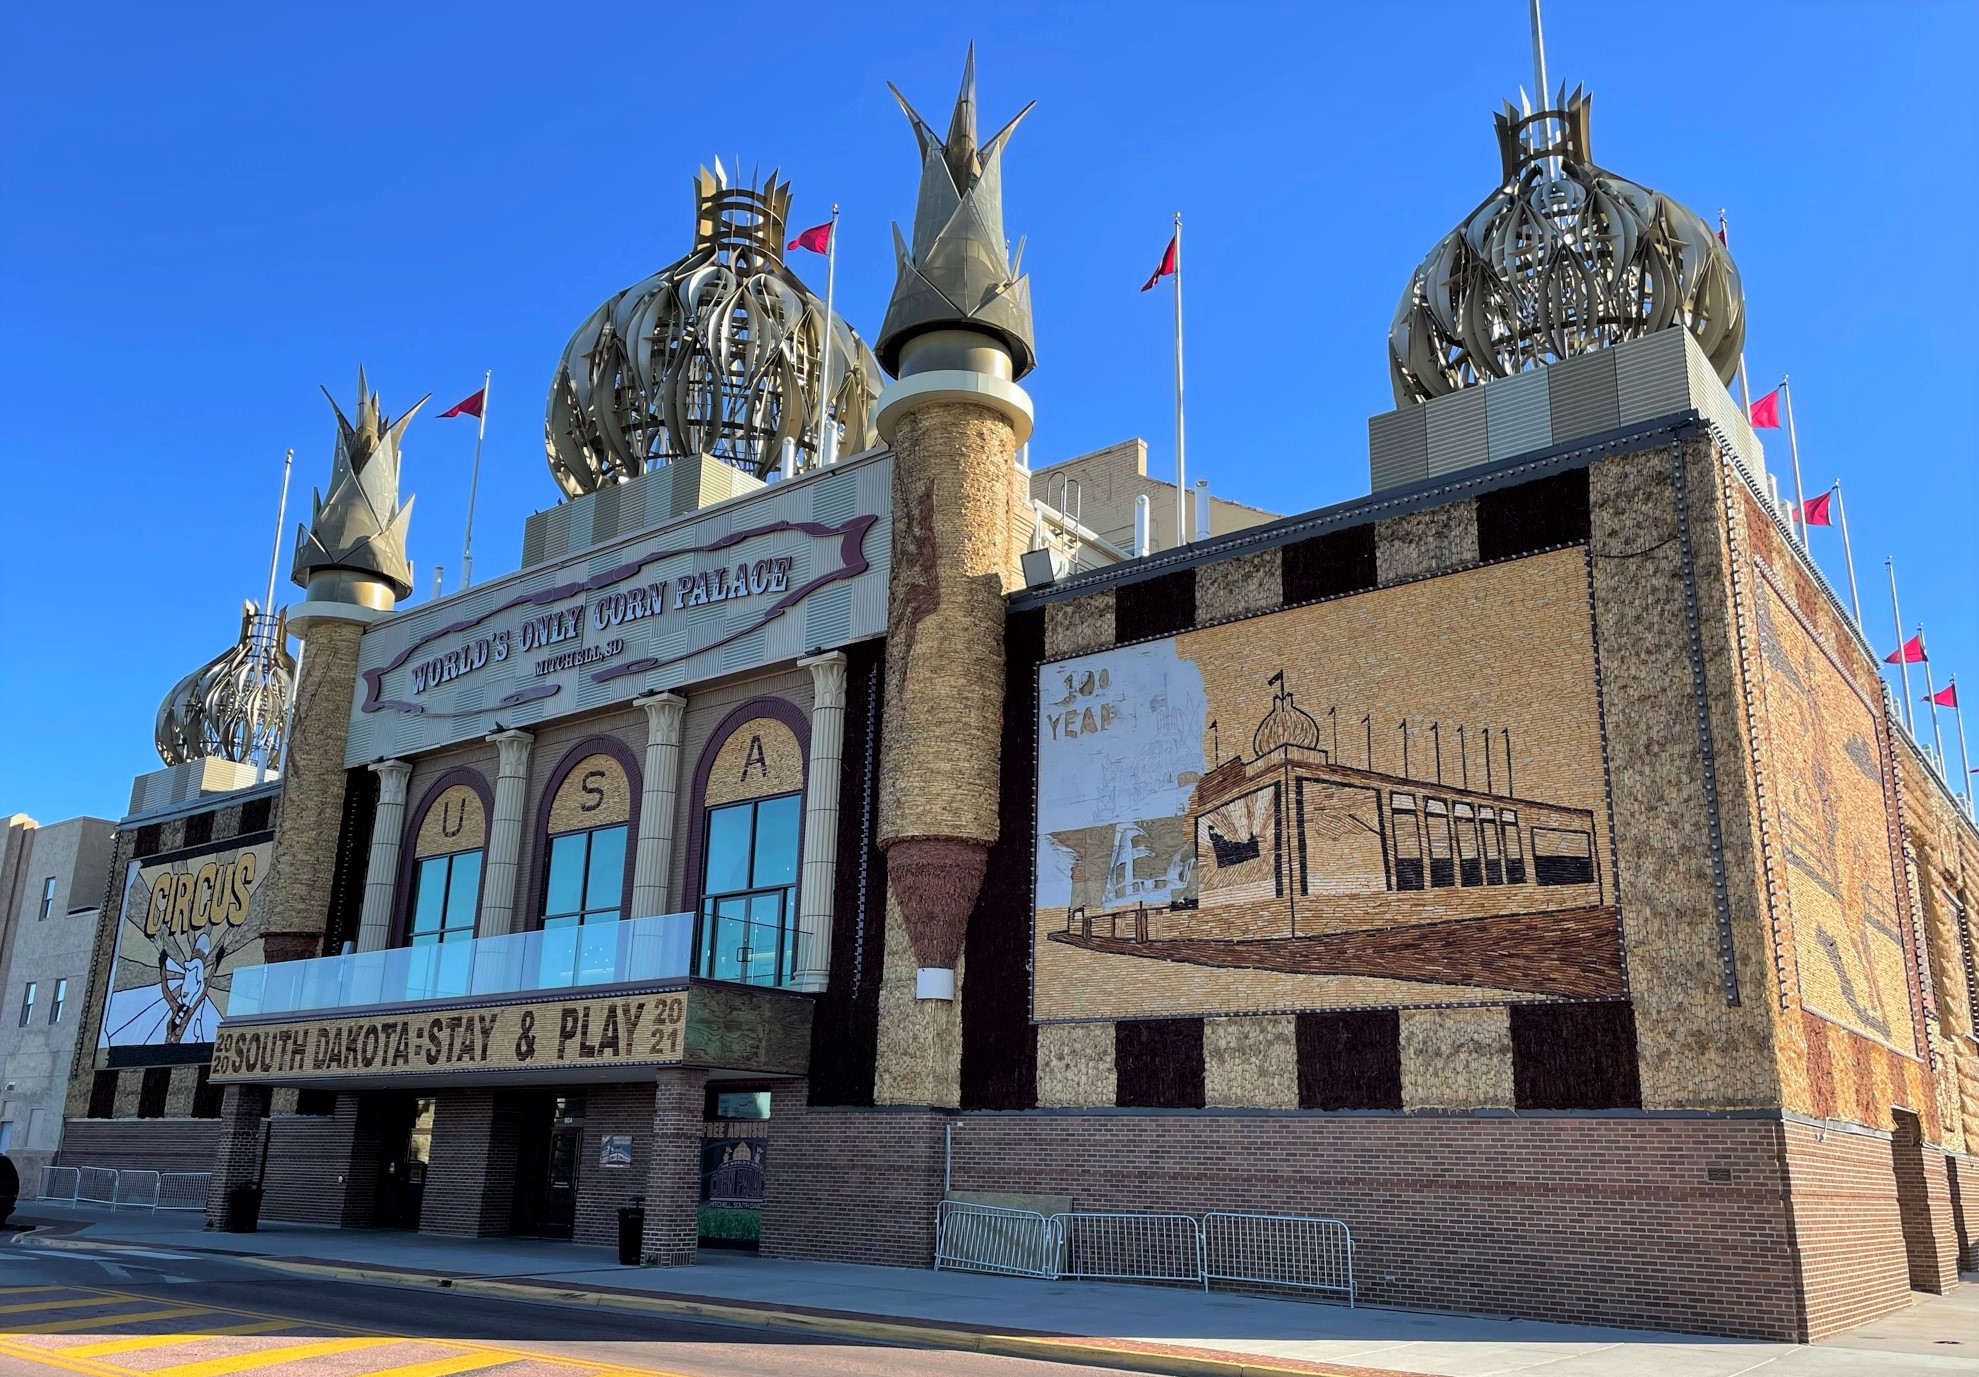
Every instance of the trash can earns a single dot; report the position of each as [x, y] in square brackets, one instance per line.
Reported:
[631, 1233]
[243, 1211]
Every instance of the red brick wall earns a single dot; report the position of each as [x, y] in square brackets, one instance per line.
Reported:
[470, 1177]
[140, 1144]
[309, 1162]
[852, 1185]
[1847, 1226]
[1587, 1219]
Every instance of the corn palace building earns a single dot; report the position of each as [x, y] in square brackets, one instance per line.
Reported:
[1522, 862]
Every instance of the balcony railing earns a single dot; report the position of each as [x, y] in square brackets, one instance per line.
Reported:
[641, 949]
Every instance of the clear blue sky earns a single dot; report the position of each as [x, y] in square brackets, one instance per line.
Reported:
[211, 209]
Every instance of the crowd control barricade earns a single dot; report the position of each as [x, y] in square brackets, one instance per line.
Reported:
[1279, 1250]
[183, 1190]
[58, 1183]
[96, 1186]
[136, 1190]
[1130, 1247]
[984, 1238]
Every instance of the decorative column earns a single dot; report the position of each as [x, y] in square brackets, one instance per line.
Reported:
[374, 928]
[820, 856]
[498, 882]
[673, 1168]
[652, 861]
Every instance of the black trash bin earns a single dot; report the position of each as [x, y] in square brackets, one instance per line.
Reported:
[243, 1212]
[631, 1233]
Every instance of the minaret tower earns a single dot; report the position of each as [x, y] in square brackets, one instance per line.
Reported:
[957, 336]
[350, 560]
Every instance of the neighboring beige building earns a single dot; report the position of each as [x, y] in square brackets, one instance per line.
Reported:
[1097, 490]
[52, 880]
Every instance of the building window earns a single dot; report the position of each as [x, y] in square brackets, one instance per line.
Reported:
[748, 929]
[153, 1091]
[587, 878]
[27, 1004]
[47, 896]
[55, 1006]
[447, 842]
[444, 892]
[103, 1095]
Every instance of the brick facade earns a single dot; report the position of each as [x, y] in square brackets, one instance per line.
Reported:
[470, 1177]
[673, 1171]
[854, 1184]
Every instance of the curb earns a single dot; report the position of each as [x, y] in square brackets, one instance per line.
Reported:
[1132, 1355]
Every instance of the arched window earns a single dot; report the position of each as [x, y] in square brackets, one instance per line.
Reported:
[751, 825]
[444, 890]
[589, 816]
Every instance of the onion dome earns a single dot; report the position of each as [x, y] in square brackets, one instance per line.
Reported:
[1287, 724]
[1562, 259]
[355, 539]
[718, 353]
[236, 705]
[958, 274]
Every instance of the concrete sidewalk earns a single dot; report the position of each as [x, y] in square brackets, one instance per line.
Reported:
[1161, 1329]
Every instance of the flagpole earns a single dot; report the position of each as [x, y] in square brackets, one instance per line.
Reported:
[1964, 760]
[1181, 473]
[1744, 395]
[1848, 554]
[1793, 448]
[474, 484]
[1903, 660]
[824, 363]
[1931, 697]
[268, 653]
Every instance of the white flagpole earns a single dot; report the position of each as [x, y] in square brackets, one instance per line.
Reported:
[1964, 760]
[1744, 395]
[1931, 697]
[1793, 448]
[267, 653]
[474, 485]
[1903, 661]
[1848, 554]
[825, 448]
[1181, 471]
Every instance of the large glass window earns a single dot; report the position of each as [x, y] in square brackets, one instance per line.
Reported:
[587, 878]
[445, 892]
[748, 892]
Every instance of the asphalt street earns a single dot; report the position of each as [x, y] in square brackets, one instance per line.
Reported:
[119, 1311]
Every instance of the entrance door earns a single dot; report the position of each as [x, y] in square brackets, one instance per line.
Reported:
[408, 1141]
[560, 1191]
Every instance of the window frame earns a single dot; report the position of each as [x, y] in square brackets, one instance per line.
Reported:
[59, 1002]
[784, 961]
[404, 895]
[544, 839]
[47, 898]
[27, 1002]
[584, 913]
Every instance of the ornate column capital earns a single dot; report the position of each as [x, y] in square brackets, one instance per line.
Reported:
[827, 678]
[392, 778]
[514, 745]
[664, 711]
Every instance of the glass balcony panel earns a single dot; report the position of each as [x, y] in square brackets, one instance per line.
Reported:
[247, 990]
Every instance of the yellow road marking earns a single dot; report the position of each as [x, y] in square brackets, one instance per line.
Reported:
[71, 1326]
[268, 1357]
[443, 1367]
[103, 1298]
[54, 1358]
[23, 1290]
[142, 1341]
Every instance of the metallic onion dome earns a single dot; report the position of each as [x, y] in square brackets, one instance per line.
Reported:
[1562, 259]
[236, 705]
[717, 353]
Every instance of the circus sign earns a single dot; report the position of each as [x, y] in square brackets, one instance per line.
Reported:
[187, 923]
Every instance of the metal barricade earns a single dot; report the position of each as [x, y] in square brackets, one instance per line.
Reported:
[984, 1238]
[58, 1183]
[1130, 1247]
[183, 1190]
[96, 1186]
[1279, 1250]
[136, 1190]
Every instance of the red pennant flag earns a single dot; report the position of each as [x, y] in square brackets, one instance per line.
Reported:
[817, 239]
[1946, 697]
[1167, 268]
[1721, 237]
[1766, 412]
[1911, 652]
[1814, 511]
[471, 407]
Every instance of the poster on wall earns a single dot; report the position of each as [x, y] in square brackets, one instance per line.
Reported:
[1392, 799]
[615, 1150]
[1832, 805]
[188, 923]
